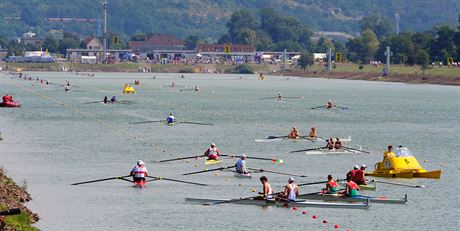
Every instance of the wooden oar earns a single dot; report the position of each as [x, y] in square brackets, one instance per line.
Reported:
[179, 158]
[209, 170]
[276, 172]
[276, 137]
[357, 150]
[318, 107]
[151, 121]
[399, 184]
[308, 149]
[110, 178]
[197, 123]
[94, 102]
[154, 178]
[257, 158]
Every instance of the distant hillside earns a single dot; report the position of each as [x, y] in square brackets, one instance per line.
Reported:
[207, 18]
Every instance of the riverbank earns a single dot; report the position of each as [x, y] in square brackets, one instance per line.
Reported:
[14, 196]
[399, 73]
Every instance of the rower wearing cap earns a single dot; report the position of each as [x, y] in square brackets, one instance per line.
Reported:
[267, 192]
[402, 151]
[294, 134]
[352, 173]
[139, 172]
[351, 188]
[170, 119]
[213, 152]
[338, 143]
[329, 104]
[331, 185]
[389, 153]
[106, 100]
[312, 134]
[359, 177]
[279, 95]
[291, 190]
[241, 165]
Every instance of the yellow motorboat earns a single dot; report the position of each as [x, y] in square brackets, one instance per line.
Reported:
[128, 89]
[402, 167]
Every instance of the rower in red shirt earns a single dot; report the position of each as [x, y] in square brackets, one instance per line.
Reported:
[352, 173]
[359, 175]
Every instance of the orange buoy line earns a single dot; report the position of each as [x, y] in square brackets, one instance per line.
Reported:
[87, 115]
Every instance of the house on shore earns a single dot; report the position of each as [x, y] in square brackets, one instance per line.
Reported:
[159, 47]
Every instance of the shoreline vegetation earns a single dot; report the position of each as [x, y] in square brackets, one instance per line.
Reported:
[399, 73]
[14, 196]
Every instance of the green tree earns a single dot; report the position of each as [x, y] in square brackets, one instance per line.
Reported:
[191, 42]
[239, 21]
[69, 41]
[364, 47]
[306, 60]
[379, 24]
[51, 43]
[139, 37]
[443, 45]
[225, 39]
[246, 36]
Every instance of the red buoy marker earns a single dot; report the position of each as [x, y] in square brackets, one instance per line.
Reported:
[336, 226]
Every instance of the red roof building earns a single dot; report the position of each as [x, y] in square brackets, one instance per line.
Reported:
[156, 43]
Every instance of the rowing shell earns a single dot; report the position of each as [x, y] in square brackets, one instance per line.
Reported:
[323, 151]
[209, 162]
[140, 184]
[336, 197]
[297, 203]
[301, 139]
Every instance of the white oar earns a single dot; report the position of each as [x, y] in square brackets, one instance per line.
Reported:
[399, 184]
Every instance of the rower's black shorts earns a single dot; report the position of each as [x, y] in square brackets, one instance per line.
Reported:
[138, 179]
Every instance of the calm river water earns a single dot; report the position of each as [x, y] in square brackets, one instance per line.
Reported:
[57, 138]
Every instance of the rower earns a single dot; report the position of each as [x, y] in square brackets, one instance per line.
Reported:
[212, 153]
[113, 99]
[351, 189]
[106, 100]
[241, 165]
[312, 134]
[170, 119]
[68, 83]
[351, 173]
[330, 144]
[294, 134]
[197, 88]
[329, 105]
[67, 88]
[279, 95]
[331, 186]
[389, 153]
[338, 143]
[291, 190]
[173, 85]
[267, 192]
[402, 151]
[139, 172]
[359, 177]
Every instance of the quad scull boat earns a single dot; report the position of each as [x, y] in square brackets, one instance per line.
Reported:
[282, 203]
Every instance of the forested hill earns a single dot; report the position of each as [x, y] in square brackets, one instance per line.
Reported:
[207, 18]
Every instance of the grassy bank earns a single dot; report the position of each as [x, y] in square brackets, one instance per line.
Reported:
[399, 73]
[14, 196]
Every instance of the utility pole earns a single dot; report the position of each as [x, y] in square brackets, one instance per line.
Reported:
[104, 50]
[329, 60]
[284, 61]
[388, 54]
[397, 22]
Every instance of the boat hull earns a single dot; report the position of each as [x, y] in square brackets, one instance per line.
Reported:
[298, 203]
[10, 104]
[402, 167]
[362, 187]
[336, 197]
